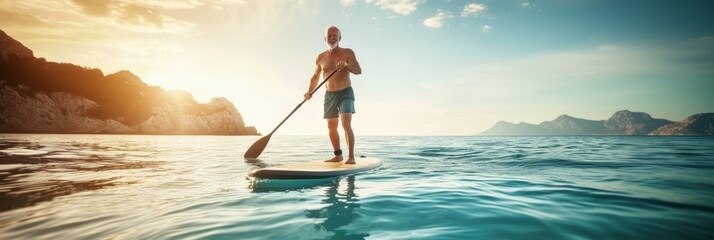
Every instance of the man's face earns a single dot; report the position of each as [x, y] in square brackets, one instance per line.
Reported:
[332, 37]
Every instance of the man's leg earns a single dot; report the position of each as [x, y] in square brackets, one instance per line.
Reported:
[346, 119]
[334, 138]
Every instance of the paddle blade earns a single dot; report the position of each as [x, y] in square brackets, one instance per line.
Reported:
[257, 148]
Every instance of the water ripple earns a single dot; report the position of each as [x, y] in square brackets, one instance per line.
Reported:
[176, 187]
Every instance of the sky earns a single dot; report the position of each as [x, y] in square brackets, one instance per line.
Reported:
[429, 67]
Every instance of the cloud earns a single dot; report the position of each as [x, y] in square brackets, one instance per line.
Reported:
[137, 16]
[473, 10]
[147, 16]
[486, 28]
[141, 15]
[105, 8]
[438, 20]
[696, 53]
[179, 4]
[11, 18]
[535, 75]
[539, 87]
[698, 47]
[98, 8]
[257, 20]
[527, 5]
[403, 7]
[347, 3]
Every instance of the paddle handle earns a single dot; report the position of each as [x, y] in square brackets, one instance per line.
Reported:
[303, 101]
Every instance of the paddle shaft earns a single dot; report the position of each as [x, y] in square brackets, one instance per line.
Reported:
[303, 101]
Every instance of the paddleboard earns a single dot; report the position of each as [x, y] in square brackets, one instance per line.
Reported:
[315, 169]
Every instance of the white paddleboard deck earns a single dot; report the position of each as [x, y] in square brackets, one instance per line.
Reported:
[315, 169]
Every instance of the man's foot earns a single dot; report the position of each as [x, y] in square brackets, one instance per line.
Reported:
[337, 158]
[351, 161]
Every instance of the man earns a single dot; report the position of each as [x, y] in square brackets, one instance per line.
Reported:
[339, 98]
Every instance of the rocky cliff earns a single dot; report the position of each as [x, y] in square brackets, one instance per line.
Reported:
[507, 128]
[698, 124]
[567, 125]
[56, 112]
[622, 122]
[10, 46]
[632, 123]
[37, 96]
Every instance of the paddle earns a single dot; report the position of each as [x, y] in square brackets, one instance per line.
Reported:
[257, 148]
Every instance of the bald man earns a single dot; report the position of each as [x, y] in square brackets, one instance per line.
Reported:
[339, 98]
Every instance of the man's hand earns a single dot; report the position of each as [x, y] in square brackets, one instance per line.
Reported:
[307, 96]
[341, 64]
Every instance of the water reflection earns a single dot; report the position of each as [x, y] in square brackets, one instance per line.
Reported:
[257, 185]
[31, 173]
[340, 202]
[339, 211]
[255, 163]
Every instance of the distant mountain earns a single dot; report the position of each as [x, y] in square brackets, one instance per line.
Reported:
[567, 125]
[507, 128]
[563, 125]
[698, 124]
[621, 123]
[632, 123]
[37, 96]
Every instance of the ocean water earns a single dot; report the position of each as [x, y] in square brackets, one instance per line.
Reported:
[195, 187]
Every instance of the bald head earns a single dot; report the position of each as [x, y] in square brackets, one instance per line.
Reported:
[332, 37]
[332, 28]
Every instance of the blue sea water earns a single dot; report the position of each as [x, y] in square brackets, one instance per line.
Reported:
[195, 187]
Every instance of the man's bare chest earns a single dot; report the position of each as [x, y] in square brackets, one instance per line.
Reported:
[330, 61]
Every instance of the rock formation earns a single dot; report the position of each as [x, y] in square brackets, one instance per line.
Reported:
[567, 125]
[57, 112]
[632, 123]
[621, 123]
[10, 46]
[37, 96]
[698, 124]
[507, 128]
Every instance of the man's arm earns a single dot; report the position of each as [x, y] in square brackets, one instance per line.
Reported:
[314, 79]
[353, 64]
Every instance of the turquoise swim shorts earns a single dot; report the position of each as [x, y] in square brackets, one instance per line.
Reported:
[342, 101]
